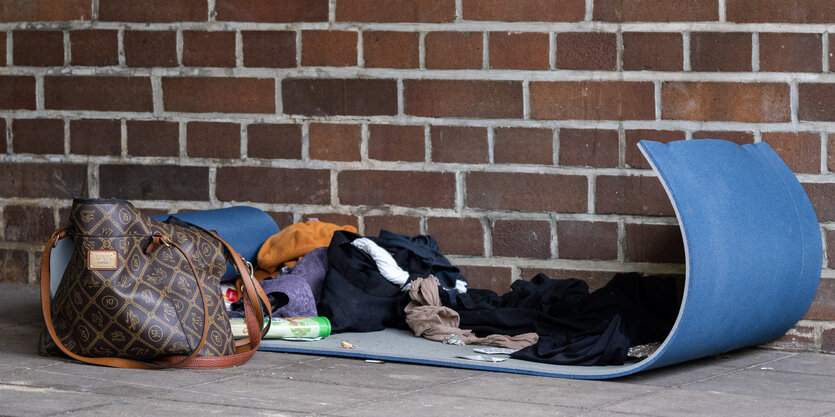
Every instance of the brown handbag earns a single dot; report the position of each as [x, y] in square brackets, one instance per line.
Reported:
[141, 293]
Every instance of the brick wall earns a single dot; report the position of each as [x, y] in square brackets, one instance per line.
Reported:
[505, 128]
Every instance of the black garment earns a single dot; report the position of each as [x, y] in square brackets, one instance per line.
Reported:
[420, 255]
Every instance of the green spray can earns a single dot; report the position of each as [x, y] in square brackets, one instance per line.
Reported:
[288, 328]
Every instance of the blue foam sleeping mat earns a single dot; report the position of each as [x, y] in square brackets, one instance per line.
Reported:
[753, 261]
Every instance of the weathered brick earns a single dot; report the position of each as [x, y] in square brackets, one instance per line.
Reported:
[780, 11]
[790, 52]
[98, 93]
[17, 92]
[95, 137]
[634, 157]
[330, 48]
[39, 136]
[293, 186]
[154, 182]
[335, 218]
[335, 142]
[462, 144]
[45, 10]
[38, 48]
[493, 278]
[153, 11]
[587, 240]
[592, 100]
[652, 51]
[94, 47]
[29, 180]
[519, 50]
[522, 238]
[589, 147]
[14, 266]
[520, 145]
[721, 101]
[384, 49]
[594, 279]
[277, 11]
[3, 48]
[830, 153]
[454, 50]
[823, 199]
[830, 248]
[208, 49]
[153, 138]
[816, 102]
[28, 224]
[527, 192]
[146, 48]
[654, 243]
[797, 338]
[213, 140]
[219, 94]
[406, 225]
[457, 235]
[801, 151]
[435, 11]
[396, 143]
[631, 195]
[281, 219]
[655, 11]
[269, 49]
[3, 149]
[828, 341]
[274, 141]
[525, 10]
[447, 98]
[330, 97]
[720, 51]
[586, 51]
[398, 188]
[823, 306]
[740, 138]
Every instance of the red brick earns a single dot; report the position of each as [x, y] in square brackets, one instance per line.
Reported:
[219, 94]
[800, 151]
[790, 52]
[208, 49]
[823, 199]
[823, 306]
[655, 10]
[153, 138]
[406, 225]
[28, 224]
[30, 180]
[652, 51]
[335, 142]
[527, 192]
[383, 49]
[631, 195]
[38, 48]
[331, 48]
[17, 92]
[830, 248]
[454, 50]
[98, 93]
[45, 10]
[586, 51]
[269, 49]
[594, 279]
[720, 51]
[592, 100]
[274, 141]
[95, 137]
[525, 10]
[587, 240]
[153, 11]
[396, 143]
[654, 243]
[634, 157]
[150, 48]
[281, 219]
[816, 102]
[727, 102]
[14, 266]
[213, 140]
[398, 188]
[3, 149]
[330, 97]
[434, 11]
[154, 182]
[589, 147]
[522, 238]
[457, 235]
[519, 50]
[39, 136]
[290, 186]
[461, 144]
[447, 98]
[335, 218]
[741, 138]
[94, 47]
[830, 153]
[277, 11]
[797, 338]
[828, 341]
[520, 145]
[3, 49]
[780, 11]
[493, 278]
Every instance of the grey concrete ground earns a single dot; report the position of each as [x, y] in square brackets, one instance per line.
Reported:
[751, 382]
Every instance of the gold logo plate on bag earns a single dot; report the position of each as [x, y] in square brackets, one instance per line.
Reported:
[102, 260]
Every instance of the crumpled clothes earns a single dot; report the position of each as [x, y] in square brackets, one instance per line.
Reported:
[289, 245]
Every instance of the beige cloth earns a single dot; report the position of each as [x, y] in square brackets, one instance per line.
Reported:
[428, 318]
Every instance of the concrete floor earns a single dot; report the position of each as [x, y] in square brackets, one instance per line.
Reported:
[750, 382]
